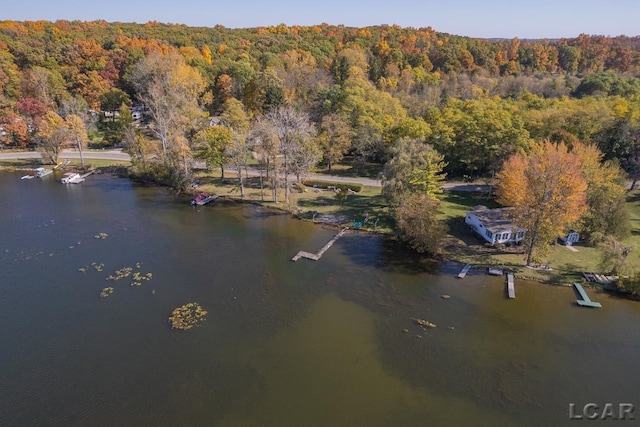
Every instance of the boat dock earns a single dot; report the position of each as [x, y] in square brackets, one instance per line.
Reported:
[62, 165]
[493, 271]
[511, 290]
[87, 174]
[585, 301]
[464, 271]
[317, 256]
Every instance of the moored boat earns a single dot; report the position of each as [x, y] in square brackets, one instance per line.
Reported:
[73, 178]
[202, 199]
[41, 172]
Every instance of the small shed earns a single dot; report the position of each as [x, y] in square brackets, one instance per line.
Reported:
[571, 238]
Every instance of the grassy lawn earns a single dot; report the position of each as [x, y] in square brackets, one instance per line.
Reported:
[311, 204]
[350, 167]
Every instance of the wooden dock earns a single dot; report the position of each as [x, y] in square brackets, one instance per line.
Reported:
[511, 290]
[464, 271]
[493, 271]
[585, 301]
[87, 174]
[317, 256]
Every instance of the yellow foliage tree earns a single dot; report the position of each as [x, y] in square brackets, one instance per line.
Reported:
[547, 190]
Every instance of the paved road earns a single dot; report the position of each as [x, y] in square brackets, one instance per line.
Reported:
[118, 154]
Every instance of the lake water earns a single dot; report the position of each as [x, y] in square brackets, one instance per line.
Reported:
[327, 343]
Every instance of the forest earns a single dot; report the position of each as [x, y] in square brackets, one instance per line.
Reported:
[476, 101]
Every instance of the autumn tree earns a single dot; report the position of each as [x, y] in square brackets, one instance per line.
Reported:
[170, 89]
[33, 110]
[606, 213]
[335, 138]
[52, 134]
[547, 190]
[77, 133]
[235, 118]
[15, 129]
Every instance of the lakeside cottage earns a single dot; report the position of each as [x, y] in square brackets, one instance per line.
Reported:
[494, 225]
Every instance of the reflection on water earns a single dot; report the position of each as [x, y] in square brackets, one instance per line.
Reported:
[284, 344]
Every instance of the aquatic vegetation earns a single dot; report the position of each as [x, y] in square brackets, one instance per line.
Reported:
[424, 323]
[101, 236]
[83, 270]
[106, 292]
[98, 267]
[139, 278]
[120, 274]
[187, 316]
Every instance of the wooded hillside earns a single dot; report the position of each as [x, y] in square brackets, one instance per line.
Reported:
[476, 101]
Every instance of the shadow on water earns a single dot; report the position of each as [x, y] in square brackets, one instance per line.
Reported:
[369, 250]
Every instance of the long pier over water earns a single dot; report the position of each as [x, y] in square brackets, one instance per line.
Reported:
[317, 256]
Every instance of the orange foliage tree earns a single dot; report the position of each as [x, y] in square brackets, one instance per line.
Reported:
[547, 190]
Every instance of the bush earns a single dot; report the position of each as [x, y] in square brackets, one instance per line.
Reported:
[331, 185]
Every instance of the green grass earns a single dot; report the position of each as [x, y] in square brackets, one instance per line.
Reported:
[352, 168]
[456, 204]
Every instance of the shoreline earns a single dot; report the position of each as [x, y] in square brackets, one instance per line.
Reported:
[122, 171]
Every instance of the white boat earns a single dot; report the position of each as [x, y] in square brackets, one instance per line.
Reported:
[40, 172]
[28, 177]
[73, 178]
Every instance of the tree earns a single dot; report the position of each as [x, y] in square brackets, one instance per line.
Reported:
[414, 168]
[52, 134]
[113, 99]
[606, 213]
[412, 181]
[170, 89]
[213, 144]
[77, 133]
[235, 117]
[335, 138]
[292, 130]
[418, 224]
[547, 190]
[15, 129]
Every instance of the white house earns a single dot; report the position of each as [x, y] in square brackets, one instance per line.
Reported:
[494, 225]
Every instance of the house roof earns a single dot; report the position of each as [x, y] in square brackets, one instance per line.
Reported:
[494, 220]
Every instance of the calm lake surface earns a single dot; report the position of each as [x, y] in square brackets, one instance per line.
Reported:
[284, 344]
